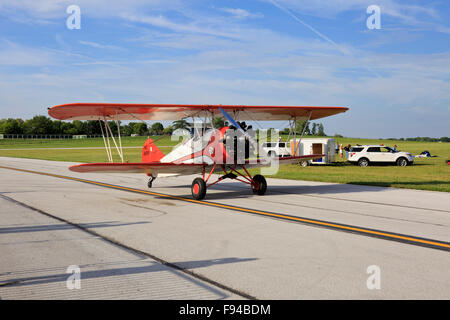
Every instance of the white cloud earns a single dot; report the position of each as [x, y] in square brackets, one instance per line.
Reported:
[242, 13]
[98, 45]
[399, 12]
[13, 54]
[192, 27]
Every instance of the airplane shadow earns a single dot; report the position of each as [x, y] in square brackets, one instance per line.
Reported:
[65, 226]
[148, 268]
[233, 190]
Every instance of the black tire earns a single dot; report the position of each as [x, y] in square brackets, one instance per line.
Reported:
[272, 154]
[198, 189]
[304, 163]
[363, 162]
[259, 185]
[402, 162]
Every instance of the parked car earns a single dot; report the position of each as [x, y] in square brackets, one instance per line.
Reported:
[366, 155]
[277, 149]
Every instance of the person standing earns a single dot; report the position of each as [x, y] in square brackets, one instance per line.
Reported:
[341, 150]
[347, 150]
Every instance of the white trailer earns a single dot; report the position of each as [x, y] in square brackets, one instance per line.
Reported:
[309, 146]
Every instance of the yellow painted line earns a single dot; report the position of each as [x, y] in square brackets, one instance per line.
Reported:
[359, 230]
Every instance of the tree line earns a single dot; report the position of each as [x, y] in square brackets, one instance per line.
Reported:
[42, 125]
[422, 139]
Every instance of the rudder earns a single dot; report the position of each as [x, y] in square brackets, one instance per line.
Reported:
[150, 152]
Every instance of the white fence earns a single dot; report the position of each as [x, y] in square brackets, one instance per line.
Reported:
[45, 136]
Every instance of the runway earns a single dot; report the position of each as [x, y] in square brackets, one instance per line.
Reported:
[296, 244]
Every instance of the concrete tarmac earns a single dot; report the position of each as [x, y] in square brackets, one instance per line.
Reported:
[224, 253]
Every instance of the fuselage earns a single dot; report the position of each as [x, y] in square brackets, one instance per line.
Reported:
[205, 148]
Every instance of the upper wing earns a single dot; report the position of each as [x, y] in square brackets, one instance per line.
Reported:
[123, 111]
[150, 168]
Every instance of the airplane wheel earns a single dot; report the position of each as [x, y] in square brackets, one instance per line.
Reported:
[150, 182]
[198, 189]
[259, 185]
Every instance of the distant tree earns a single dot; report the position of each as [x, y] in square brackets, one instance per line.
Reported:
[128, 129]
[56, 126]
[71, 131]
[314, 129]
[11, 126]
[303, 124]
[168, 130]
[320, 130]
[218, 122]
[93, 128]
[140, 128]
[157, 128]
[180, 124]
[285, 131]
[80, 126]
[38, 125]
[67, 128]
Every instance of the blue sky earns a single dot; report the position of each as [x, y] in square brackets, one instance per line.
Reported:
[395, 80]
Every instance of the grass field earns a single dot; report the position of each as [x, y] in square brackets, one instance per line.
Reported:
[426, 173]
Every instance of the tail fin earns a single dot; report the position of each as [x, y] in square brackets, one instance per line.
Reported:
[150, 152]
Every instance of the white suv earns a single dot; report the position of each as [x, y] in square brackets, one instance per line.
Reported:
[365, 155]
[277, 149]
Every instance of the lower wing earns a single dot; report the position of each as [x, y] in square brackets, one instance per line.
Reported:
[149, 168]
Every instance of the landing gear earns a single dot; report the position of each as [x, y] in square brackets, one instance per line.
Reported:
[259, 185]
[150, 181]
[198, 189]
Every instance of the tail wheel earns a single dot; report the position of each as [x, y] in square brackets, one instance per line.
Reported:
[198, 189]
[259, 185]
[150, 181]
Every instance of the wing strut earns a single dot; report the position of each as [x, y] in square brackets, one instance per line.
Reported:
[297, 145]
[104, 141]
[109, 134]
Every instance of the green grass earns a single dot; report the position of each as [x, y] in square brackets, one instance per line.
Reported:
[425, 174]
[38, 149]
[79, 143]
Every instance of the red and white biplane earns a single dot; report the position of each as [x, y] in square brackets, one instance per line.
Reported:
[229, 150]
